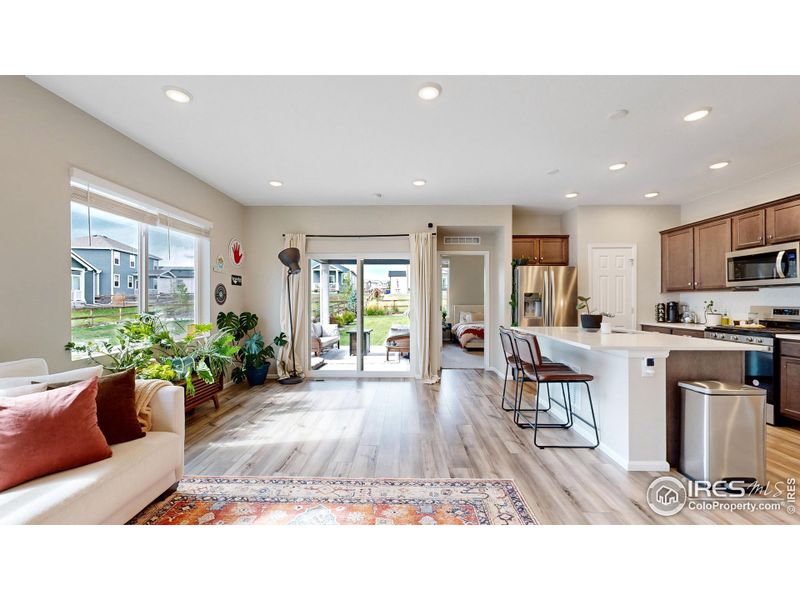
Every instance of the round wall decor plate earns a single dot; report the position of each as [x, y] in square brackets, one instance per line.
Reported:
[220, 294]
[236, 251]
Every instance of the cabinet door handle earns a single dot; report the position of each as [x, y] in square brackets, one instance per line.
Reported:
[769, 237]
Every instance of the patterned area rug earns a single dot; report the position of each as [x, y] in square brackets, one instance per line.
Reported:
[334, 501]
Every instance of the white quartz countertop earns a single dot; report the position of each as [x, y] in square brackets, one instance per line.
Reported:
[789, 336]
[693, 326]
[635, 341]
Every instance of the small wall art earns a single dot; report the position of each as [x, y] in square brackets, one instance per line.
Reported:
[236, 252]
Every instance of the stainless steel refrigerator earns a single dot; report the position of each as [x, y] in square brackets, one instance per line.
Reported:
[546, 296]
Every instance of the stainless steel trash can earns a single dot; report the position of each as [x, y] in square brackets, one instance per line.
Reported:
[723, 432]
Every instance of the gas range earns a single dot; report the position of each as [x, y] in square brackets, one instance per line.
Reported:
[761, 366]
[772, 321]
[746, 335]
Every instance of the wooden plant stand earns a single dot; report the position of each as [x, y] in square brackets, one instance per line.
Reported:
[202, 393]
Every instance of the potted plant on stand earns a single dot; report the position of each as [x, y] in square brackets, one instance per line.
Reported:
[590, 321]
[254, 354]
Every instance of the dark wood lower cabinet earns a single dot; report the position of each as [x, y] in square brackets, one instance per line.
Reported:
[790, 387]
[674, 330]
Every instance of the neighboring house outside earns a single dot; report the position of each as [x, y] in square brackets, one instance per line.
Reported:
[337, 274]
[167, 279]
[378, 284]
[106, 267]
[398, 282]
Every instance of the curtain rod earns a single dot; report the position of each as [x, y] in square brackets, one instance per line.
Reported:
[377, 235]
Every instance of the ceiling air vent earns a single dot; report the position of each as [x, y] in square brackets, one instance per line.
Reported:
[462, 240]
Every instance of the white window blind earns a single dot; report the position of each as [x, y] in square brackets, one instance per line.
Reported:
[95, 192]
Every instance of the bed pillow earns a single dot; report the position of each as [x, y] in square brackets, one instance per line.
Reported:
[69, 376]
[48, 432]
[22, 390]
[466, 317]
[477, 317]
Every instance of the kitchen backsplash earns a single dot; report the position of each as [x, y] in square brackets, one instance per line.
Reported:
[739, 303]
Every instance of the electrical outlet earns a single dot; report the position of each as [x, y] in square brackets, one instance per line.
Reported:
[648, 367]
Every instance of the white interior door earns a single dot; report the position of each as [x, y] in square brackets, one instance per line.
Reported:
[613, 283]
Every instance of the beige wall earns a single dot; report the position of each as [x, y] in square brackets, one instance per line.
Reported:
[527, 221]
[41, 137]
[265, 225]
[466, 282]
[638, 225]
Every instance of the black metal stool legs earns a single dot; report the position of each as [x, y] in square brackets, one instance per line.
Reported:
[570, 415]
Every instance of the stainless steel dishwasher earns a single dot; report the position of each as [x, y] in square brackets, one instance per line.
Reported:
[723, 432]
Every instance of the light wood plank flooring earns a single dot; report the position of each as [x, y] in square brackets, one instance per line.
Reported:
[402, 428]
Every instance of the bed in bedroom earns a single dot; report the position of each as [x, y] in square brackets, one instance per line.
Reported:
[468, 325]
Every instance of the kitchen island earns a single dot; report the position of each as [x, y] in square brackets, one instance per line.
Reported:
[635, 392]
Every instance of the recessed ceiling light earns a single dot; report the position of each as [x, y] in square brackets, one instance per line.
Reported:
[651, 194]
[276, 183]
[719, 165]
[619, 114]
[617, 166]
[696, 115]
[419, 182]
[429, 91]
[177, 94]
[571, 195]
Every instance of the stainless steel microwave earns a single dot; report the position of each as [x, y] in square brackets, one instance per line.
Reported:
[769, 265]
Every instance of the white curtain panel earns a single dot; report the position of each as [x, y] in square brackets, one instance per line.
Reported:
[299, 290]
[424, 352]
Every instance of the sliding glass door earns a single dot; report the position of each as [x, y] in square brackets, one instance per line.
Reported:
[359, 315]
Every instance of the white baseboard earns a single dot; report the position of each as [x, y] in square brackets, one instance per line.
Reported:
[586, 432]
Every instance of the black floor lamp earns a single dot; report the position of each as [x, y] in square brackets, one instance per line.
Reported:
[290, 257]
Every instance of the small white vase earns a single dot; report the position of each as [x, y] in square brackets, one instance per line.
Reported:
[713, 320]
[606, 327]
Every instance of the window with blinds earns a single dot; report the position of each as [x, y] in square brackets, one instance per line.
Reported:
[129, 254]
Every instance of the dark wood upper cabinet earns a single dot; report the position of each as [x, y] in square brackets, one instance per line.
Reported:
[541, 250]
[711, 242]
[677, 260]
[783, 222]
[554, 251]
[523, 248]
[749, 229]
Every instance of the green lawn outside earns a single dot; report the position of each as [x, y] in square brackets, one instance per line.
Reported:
[380, 326]
[104, 322]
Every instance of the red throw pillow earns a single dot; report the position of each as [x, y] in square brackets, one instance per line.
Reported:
[116, 408]
[48, 432]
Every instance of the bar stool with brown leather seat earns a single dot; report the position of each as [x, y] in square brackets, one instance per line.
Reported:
[530, 360]
[518, 373]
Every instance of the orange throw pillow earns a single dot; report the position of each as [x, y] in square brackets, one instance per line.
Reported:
[48, 432]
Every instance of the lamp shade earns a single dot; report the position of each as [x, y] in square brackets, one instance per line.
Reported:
[290, 257]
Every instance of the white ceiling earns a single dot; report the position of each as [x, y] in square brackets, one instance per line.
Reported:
[485, 140]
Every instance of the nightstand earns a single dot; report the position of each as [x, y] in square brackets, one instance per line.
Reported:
[447, 329]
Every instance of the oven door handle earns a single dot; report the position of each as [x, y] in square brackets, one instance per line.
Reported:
[779, 264]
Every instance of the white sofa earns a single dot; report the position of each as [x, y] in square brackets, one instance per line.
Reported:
[109, 491]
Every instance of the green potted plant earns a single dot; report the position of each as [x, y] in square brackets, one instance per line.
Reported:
[444, 316]
[590, 321]
[254, 354]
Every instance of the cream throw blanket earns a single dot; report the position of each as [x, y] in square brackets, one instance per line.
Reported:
[145, 390]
